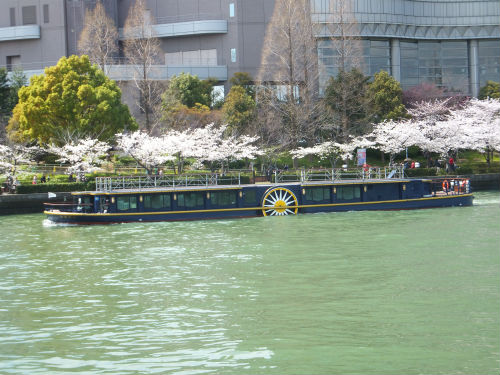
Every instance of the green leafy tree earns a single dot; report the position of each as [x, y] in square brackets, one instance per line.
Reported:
[17, 81]
[346, 98]
[386, 98]
[188, 90]
[71, 101]
[244, 80]
[9, 88]
[238, 109]
[187, 102]
[490, 90]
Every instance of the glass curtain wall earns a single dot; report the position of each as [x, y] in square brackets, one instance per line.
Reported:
[489, 61]
[373, 56]
[444, 63]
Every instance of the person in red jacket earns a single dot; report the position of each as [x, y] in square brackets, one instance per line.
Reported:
[451, 163]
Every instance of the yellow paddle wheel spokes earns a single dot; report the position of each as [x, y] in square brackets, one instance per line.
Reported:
[279, 202]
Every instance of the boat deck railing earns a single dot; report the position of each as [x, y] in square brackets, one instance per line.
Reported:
[339, 174]
[107, 184]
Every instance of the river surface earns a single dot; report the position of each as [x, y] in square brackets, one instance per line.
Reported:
[400, 292]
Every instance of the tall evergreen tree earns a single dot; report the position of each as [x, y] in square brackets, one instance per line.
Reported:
[346, 97]
[386, 98]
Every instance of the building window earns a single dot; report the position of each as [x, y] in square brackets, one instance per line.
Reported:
[29, 15]
[46, 13]
[233, 55]
[371, 56]
[12, 16]
[443, 63]
[205, 57]
[13, 61]
[231, 10]
[489, 61]
[320, 6]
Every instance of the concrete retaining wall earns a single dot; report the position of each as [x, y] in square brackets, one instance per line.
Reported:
[484, 181]
[29, 203]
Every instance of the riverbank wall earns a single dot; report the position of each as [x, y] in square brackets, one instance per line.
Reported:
[29, 203]
[480, 182]
[33, 203]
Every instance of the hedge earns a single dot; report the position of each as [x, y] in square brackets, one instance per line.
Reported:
[419, 172]
[45, 188]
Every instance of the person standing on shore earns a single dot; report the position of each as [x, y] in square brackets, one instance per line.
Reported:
[451, 163]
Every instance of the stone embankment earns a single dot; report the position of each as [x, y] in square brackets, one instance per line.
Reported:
[33, 203]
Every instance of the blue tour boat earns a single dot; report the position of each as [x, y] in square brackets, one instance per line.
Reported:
[214, 196]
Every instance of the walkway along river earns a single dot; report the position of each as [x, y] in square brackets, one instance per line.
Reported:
[400, 292]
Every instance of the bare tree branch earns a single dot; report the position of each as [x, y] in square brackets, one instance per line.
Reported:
[99, 37]
[142, 50]
[288, 76]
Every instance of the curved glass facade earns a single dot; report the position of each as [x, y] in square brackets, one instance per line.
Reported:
[453, 44]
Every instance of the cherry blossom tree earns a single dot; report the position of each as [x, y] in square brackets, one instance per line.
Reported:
[180, 145]
[437, 128]
[216, 149]
[148, 151]
[476, 126]
[13, 156]
[86, 155]
[433, 110]
[333, 151]
[208, 145]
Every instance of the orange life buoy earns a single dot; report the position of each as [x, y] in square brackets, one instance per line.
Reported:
[446, 185]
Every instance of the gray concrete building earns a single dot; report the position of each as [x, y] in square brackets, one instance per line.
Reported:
[32, 33]
[452, 43]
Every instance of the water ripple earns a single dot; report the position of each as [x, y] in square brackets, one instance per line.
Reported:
[358, 292]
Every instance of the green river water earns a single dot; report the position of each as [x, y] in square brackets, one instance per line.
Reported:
[399, 292]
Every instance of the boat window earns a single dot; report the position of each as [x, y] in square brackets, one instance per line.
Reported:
[190, 200]
[156, 201]
[223, 198]
[249, 196]
[318, 194]
[348, 193]
[126, 202]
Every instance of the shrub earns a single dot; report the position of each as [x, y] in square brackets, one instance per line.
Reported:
[465, 170]
[419, 172]
[50, 187]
